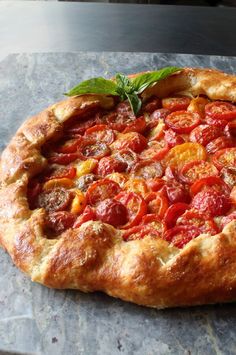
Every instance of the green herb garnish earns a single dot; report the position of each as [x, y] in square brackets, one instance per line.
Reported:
[122, 86]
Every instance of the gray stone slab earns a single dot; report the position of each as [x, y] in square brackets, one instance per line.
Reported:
[37, 320]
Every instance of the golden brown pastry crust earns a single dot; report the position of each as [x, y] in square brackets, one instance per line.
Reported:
[94, 257]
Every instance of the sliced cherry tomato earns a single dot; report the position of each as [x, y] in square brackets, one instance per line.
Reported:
[93, 149]
[219, 143]
[87, 215]
[63, 159]
[172, 138]
[211, 202]
[185, 153]
[176, 103]
[80, 127]
[128, 157]
[140, 232]
[153, 104]
[58, 222]
[155, 153]
[100, 133]
[174, 212]
[155, 222]
[133, 140]
[138, 186]
[182, 121]
[147, 169]
[118, 177]
[225, 158]
[203, 134]
[84, 181]
[215, 122]
[53, 200]
[70, 146]
[196, 170]
[60, 173]
[120, 118]
[139, 125]
[101, 190]
[112, 212]
[136, 207]
[175, 191]
[198, 105]
[229, 176]
[230, 129]
[227, 219]
[213, 182]
[220, 110]
[155, 184]
[171, 173]
[108, 165]
[155, 117]
[179, 236]
[157, 203]
[194, 218]
[157, 132]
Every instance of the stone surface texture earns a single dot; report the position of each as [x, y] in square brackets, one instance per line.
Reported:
[37, 320]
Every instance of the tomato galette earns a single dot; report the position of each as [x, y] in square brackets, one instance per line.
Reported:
[128, 189]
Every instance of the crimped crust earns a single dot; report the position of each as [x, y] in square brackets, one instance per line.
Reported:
[94, 257]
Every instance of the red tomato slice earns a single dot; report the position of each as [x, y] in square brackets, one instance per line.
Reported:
[87, 215]
[229, 176]
[213, 182]
[94, 149]
[154, 153]
[61, 173]
[70, 146]
[214, 122]
[100, 133]
[133, 140]
[147, 169]
[108, 165]
[173, 213]
[120, 118]
[204, 134]
[58, 222]
[136, 207]
[128, 157]
[157, 203]
[139, 126]
[219, 143]
[152, 105]
[101, 190]
[176, 103]
[80, 127]
[172, 138]
[155, 117]
[227, 219]
[220, 110]
[175, 191]
[196, 170]
[230, 129]
[155, 184]
[211, 202]
[140, 232]
[112, 212]
[179, 236]
[63, 159]
[194, 218]
[225, 158]
[183, 121]
[155, 222]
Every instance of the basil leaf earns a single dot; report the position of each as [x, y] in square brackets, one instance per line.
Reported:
[143, 81]
[134, 102]
[94, 86]
[123, 81]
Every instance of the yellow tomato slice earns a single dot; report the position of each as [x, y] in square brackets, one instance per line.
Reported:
[138, 186]
[185, 153]
[117, 177]
[85, 167]
[65, 182]
[78, 203]
[198, 105]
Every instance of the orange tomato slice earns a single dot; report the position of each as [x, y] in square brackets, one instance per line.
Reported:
[185, 153]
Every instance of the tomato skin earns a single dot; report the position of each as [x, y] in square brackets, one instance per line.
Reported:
[69, 173]
[108, 165]
[179, 236]
[173, 213]
[140, 232]
[182, 121]
[133, 140]
[203, 134]
[112, 212]
[139, 126]
[63, 159]
[152, 105]
[156, 116]
[176, 103]
[87, 215]
[100, 133]
[213, 182]
[172, 138]
[194, 218]
[151, 219]
[157, 203]
[147, 169]
[58, 222]
[211, 202]
[229, 163]
[218, 144]
[220, 110]
[155, 184]
[175, 192]
[136, 207]
[230, 129]
[101, 190]
[227, 219]
[215, 122]
[205, 169]
[70, 146]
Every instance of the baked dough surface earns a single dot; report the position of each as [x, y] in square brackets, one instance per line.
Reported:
[94, 257]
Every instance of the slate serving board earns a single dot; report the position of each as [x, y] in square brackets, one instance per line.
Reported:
[37, 320]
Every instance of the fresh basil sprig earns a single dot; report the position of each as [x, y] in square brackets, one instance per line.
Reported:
[123, 86]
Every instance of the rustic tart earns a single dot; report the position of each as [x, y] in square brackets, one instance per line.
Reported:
[128, 187]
